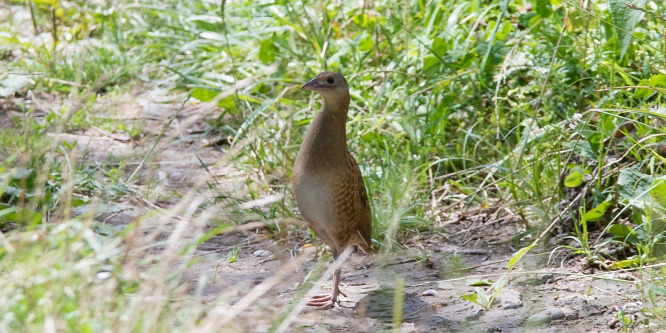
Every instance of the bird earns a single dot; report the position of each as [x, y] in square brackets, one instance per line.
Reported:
[327, 181]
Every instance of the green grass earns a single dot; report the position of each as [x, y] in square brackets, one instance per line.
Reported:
[447, 103]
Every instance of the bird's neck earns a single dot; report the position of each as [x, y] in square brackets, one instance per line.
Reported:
[326, 140]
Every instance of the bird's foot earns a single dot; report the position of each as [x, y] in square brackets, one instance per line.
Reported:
[323, 302]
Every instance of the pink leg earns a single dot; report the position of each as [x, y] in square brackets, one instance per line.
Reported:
[324, 302]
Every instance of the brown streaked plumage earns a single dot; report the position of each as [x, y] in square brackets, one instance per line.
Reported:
[327, 182]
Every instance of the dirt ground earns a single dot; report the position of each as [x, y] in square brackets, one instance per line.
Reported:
[437, 267]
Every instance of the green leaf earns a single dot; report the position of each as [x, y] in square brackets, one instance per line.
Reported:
[204, 94]
[504, 30]
[632, 183]
[597, 213]
[574, 179]
[658, 80]
[227, 103]
[472, 298]
[519, 254]
[439, 46]
[543, 8]
[620, 230]
[623, 233]
[582, 149]
[366, 43]
[267, 51]
[625, 20]
[7, 211]
[528, 19]
[233, 254]
[21, 216]
[481, 284]
[633, 261]
[658, 191]
[496, 55]
[431, 64]
[659, 290]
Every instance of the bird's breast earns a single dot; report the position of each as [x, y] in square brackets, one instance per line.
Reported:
[313, 197]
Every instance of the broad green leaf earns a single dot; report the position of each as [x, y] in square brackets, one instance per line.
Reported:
[496, 55]
[439, 46]
[519, 254]
[657, 80]
[574, 179]
[227, 102]
[625, 20]
[504, 30]
[431, 64]
[620, 230]
[597, 213]
[528, 19]
[204, 94]
[658, 191]
[659, 290]
[632, 183]
[366, 43]
[7, 211]
[267, 51]
[27, 216]
[582, 148]
[472, 298]
[633, 261]
[543, 8]
[623, 233]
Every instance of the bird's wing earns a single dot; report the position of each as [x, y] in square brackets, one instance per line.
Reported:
[352, 208]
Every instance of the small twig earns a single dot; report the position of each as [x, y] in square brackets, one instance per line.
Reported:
[69, 83]
[634, 7]
[32, 17]
[271, 258]
[54, 34]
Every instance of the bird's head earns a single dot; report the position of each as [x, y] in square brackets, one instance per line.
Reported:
[329, 85]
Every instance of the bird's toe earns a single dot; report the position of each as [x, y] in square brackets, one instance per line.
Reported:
[322, 302]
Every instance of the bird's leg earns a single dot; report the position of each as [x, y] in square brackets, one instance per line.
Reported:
[324, 302]
[336, 286]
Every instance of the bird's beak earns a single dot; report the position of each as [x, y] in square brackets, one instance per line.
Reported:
[311, 85]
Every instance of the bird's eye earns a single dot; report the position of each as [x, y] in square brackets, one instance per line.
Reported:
[330, 80]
